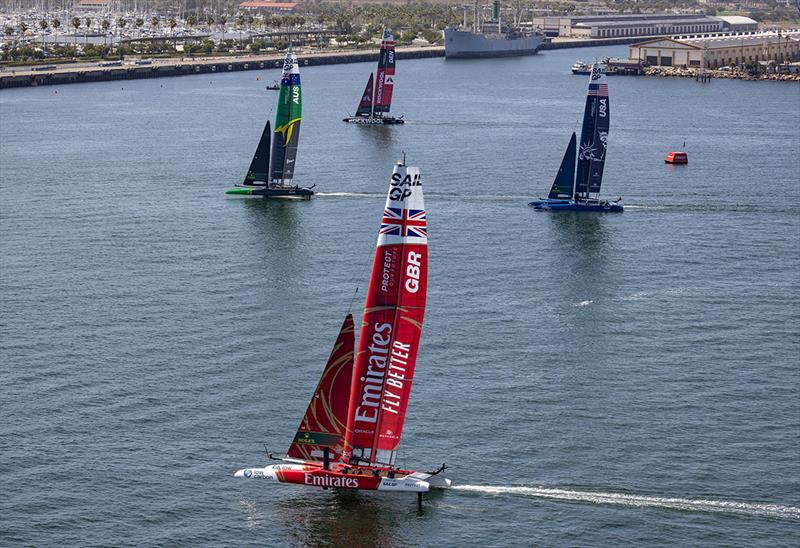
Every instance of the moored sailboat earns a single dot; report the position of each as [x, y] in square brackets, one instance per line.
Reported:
[351, 430]
[272, 168]
[373, 109]
[580, 191]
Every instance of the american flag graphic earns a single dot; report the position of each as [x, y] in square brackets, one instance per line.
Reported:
[601, 90]
[404, 222]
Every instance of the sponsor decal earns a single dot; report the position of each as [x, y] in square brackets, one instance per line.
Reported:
[330, 481]
[316, 438]
[379, 91]
[373, 378]
[388, 275]
[248, 473]
[395, 379]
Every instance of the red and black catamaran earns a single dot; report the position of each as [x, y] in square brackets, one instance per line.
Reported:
[373, 109]
[350, 433]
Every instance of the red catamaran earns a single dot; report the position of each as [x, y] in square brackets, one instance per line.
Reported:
[350, 433]
[373, 109]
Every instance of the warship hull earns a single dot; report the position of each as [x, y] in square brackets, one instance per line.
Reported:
[461, 44]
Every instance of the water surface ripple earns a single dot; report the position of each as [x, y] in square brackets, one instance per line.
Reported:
[590, 380]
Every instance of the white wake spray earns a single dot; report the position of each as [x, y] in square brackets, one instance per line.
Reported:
[690, 505]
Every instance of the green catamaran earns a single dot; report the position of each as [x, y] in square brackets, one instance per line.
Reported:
[272, 169]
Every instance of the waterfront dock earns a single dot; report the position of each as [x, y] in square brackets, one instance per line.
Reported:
[74, 73]
[158, 68]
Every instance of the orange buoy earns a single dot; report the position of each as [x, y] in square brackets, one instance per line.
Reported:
[676, 158]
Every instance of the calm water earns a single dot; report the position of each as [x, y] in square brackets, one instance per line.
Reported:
[591, 380]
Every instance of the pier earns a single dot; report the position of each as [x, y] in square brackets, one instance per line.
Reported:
[158, 68]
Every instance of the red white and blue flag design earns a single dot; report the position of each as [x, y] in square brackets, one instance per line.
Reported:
[404, 222]
[600, 90]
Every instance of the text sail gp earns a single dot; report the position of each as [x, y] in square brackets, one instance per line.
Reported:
[351, 430]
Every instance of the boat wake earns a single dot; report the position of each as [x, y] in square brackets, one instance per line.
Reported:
[350, 194]
[777, 511]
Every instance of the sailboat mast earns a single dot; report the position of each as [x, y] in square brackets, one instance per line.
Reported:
[268, 181]
[374, 93]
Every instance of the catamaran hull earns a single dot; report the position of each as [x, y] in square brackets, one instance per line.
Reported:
[569, 205]
[314, 476]
[274, 193]
[381, 121]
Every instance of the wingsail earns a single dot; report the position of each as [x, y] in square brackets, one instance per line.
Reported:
[594, 135]
[384, 83]
[287, 121]
[391, 327]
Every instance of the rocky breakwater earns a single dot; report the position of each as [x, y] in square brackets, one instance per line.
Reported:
[698, 74]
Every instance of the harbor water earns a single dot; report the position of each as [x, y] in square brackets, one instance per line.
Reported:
[595, 380]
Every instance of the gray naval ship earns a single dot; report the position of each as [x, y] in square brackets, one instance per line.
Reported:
[491, 38]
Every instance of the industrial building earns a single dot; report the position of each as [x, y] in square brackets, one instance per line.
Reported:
[274, 8]
[718, 51]
[618, 26]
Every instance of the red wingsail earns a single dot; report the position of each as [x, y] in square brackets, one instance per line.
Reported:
[390, 330]
[384, 84]
[324, 423]
[365, 106]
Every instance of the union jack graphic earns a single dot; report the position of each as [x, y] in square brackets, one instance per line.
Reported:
[601, 90]
[404, 222]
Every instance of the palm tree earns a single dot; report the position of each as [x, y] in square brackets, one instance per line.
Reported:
[222, 20]
[106, 24]
[88, 22]
[121, 22]
[42, 25]
[154, 22]
[76, 24]
[171, 23]
[240, 23]
[138, 23]
[56, 24]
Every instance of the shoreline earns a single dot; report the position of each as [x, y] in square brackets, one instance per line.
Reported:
[84, 72]
[72, 73]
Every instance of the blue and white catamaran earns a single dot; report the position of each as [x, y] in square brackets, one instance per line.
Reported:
[580, 191]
